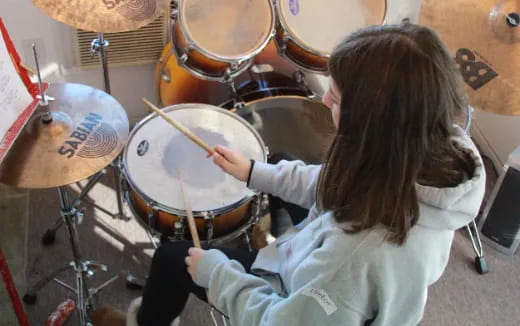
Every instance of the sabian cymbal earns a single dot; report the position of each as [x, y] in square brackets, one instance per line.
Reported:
[107, 16]
[89, 129]
[484, 39]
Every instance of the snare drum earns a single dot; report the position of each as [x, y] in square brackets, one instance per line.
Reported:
[308, 30]
[217, 40]
[157, 154]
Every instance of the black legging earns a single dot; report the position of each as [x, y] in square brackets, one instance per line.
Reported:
[169, 282]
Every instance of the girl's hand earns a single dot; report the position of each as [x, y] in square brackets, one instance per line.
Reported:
[232, 162]
[193, 258]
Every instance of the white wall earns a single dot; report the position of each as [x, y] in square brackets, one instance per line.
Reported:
[497, 135]
[27, 24]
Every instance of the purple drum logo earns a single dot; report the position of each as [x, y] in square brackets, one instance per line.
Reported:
[294, 5]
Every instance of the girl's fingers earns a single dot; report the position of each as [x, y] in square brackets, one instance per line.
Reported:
[224, 151]
[222, 162]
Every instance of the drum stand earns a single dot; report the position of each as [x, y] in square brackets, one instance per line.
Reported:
[82, 268]
[100, 44]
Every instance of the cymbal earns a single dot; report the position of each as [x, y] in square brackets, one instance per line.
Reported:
[484, 39]
[89, 128]
[106, 16]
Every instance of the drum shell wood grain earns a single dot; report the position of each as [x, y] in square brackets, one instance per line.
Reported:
[165, 222]
[300, 56]
[182, 86]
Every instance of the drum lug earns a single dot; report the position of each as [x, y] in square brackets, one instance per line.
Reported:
[286, 37]
[174, 14]
[208, 218]
[165, 76]
[183, 58]
[151, 219]
[190, 46]
[282, 46]
[264, 203]
[233, 66]
[179, 230]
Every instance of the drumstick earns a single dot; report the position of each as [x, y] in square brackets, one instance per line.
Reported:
[191, 221]
[181, 128]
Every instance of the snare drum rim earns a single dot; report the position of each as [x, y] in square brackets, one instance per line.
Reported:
[181, 212]
[189, 38]
[292, 37]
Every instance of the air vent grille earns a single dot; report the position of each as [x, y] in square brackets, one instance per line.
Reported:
[126, 48]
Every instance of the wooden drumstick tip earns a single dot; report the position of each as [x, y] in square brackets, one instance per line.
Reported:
[180, 127]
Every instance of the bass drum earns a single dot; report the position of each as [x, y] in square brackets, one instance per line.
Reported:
[176, 85]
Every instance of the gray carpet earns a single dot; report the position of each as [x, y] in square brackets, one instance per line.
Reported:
[461, 297]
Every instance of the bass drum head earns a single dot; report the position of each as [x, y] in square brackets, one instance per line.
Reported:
[158, 156]
[292, 125]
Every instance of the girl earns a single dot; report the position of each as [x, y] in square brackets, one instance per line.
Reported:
[399, 178]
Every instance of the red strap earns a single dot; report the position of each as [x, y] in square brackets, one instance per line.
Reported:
[16, 58]
[14, 130]
[11, 290]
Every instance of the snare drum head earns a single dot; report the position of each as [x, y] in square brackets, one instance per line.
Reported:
[228, 29]
[157, 154]
[320, 25]
[293, 125]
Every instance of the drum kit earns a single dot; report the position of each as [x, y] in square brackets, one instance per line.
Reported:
[233, 73]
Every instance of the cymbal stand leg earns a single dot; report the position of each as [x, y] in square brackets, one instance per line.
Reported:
[90, 184]
[69, 213]
[119, 189]
[50, 234]
[32, 291]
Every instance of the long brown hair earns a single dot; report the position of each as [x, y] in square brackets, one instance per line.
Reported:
[400, 93]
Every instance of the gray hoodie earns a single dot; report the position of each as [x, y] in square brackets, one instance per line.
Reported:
[315, 274]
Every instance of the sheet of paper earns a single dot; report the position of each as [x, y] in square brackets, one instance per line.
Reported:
[14, 97]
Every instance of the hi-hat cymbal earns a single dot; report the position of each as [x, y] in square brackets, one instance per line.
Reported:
[89, 129]
[106, 16]
[484, 39]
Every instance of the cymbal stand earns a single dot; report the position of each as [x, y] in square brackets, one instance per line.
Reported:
[99, 45]
[70, 215]
[480, 261]
[82, 268]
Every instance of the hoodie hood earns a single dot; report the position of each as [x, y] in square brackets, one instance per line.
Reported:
[454, 207]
